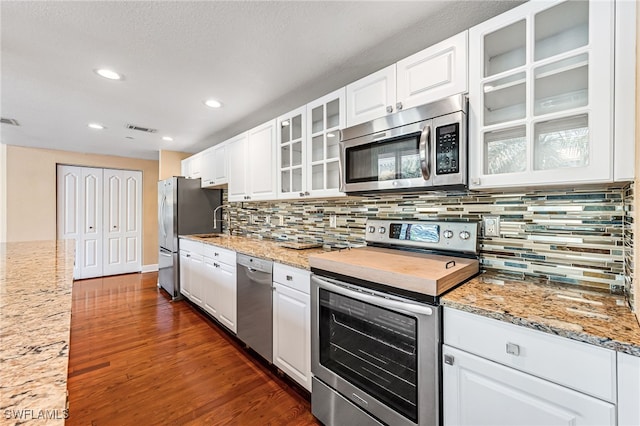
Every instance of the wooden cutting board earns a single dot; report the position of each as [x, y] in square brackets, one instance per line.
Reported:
[429, 274]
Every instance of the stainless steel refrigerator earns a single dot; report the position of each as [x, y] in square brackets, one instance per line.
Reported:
[183, 208]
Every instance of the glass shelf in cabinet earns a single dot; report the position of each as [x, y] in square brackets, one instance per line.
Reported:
[505, 49]
[561, 28]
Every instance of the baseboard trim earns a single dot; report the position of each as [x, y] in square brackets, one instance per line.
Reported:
[150, 268]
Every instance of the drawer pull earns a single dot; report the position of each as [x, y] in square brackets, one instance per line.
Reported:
[289, 278]
[448, 359]
[513, 349]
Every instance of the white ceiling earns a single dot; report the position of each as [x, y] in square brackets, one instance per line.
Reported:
[260, 59]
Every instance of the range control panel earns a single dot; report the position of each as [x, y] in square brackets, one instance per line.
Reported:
[448, 149]
[433, 235]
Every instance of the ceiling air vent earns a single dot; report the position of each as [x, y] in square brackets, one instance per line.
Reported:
[10, 121]
[141, 129]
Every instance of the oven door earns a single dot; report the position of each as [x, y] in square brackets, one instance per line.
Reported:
[379, 351]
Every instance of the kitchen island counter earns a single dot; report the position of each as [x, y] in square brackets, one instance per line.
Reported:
[36, 280]
[578, 313]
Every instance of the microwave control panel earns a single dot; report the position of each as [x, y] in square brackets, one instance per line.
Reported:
[448, 149]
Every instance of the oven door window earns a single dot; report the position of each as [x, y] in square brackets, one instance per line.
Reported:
[397, 158]
[373, 348]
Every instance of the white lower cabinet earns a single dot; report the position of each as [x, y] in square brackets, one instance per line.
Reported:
[292, 323]
[185, 273]
[496, 373]
[219, 285]
[196, 275]
[208, 279]
[481, 392]
[628, 390]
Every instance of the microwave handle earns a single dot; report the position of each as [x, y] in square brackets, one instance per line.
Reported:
[425, 152]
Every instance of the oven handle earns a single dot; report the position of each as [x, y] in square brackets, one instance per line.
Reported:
[425, 152]
[374, 300]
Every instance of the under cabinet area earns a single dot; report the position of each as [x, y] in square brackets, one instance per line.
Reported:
[503, 374]
[431, 74]
[540, 91]
[292, 322]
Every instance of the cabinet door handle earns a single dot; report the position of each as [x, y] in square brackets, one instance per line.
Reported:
[513, 349]
[216, 254]
[306, 193]
[302, 194]
[399, 106]
[188, 255]
[389, 108]
[448, 359]
[289, 278]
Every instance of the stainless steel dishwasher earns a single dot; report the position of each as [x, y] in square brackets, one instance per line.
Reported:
[255, 292]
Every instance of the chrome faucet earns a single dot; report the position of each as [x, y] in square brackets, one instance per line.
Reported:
[215, 221]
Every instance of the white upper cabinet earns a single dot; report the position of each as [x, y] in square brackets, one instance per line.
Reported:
[214, 166]
[220, 164]
[291, 154]
[541, 95]
[237, 157]
[325, 118]
[191, 167]
[261, 174]
[252, 164]
[372, 96]
[431, 74]
[207, 168]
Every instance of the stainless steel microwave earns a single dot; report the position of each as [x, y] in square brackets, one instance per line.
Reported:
[418, 149]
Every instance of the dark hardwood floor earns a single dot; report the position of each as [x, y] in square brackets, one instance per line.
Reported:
[138, 359]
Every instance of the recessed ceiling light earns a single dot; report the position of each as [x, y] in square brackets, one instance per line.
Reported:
[167, 138]
[106, 73]
[212, 103]
[96, 126]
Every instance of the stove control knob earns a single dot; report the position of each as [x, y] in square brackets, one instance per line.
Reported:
[372, 229]
[448, 233]
[382, 230]
[465, 235]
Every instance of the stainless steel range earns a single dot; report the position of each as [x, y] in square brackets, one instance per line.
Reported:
[376, 321]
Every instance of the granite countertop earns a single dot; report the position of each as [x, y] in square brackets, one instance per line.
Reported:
[36, 279]
[577, 313]
[266, 249]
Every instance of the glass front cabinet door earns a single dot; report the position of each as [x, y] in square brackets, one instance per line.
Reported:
[291, 154]
[541, 95]
[325, 119]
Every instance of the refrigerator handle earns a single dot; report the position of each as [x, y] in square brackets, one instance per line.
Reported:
[162, 208]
